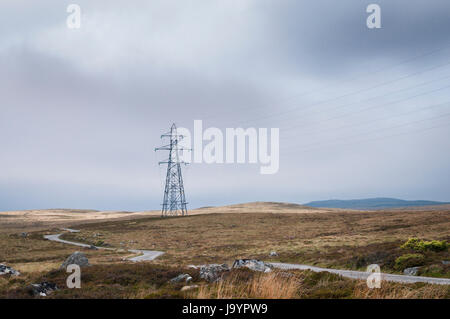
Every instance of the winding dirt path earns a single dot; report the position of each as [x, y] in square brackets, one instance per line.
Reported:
[363, 275]
[147, 255]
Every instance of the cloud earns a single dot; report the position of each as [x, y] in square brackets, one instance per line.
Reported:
[83, 109]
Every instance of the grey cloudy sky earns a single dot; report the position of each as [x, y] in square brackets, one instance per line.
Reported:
[362, 113]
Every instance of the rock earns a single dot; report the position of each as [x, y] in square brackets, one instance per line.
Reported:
[43, 289]
[253, 264]
[6, 270]
[273, 254]
[413, 271]
[77, 258]
[446, 262]
[186, 288]
[212, 272]
[183, 277]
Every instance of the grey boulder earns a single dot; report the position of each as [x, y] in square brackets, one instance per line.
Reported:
[43, 289]
[413, 271]
[77, 258]
[6, 270]
[252, 264]
[212, 272]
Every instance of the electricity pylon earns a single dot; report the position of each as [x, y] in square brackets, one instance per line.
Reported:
[174, 202]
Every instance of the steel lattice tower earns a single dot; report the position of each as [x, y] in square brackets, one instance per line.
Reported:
[174, 202]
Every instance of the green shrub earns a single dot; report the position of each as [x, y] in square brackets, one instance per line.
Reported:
[421, 245]
[435, 245]
[411, 243]
[409, 260]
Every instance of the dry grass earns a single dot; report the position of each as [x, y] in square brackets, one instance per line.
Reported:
[349, 240]
[399, 291]
[34, 254]
[328, 238]
[35, 220]
[145, 280]
[307, 284]
[126, 280]
[36, 267]
[262, 286]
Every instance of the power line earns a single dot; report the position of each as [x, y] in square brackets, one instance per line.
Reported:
[374, 106]
[374, 98]
[384, 118]
[345, 95]
[382, 137]
[406, 61]
[376, 131]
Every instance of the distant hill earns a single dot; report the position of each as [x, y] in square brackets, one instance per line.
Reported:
[372, 203]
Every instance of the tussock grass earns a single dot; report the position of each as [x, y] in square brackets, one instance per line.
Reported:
[261, 286]
[307, 284]
[399, 291]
